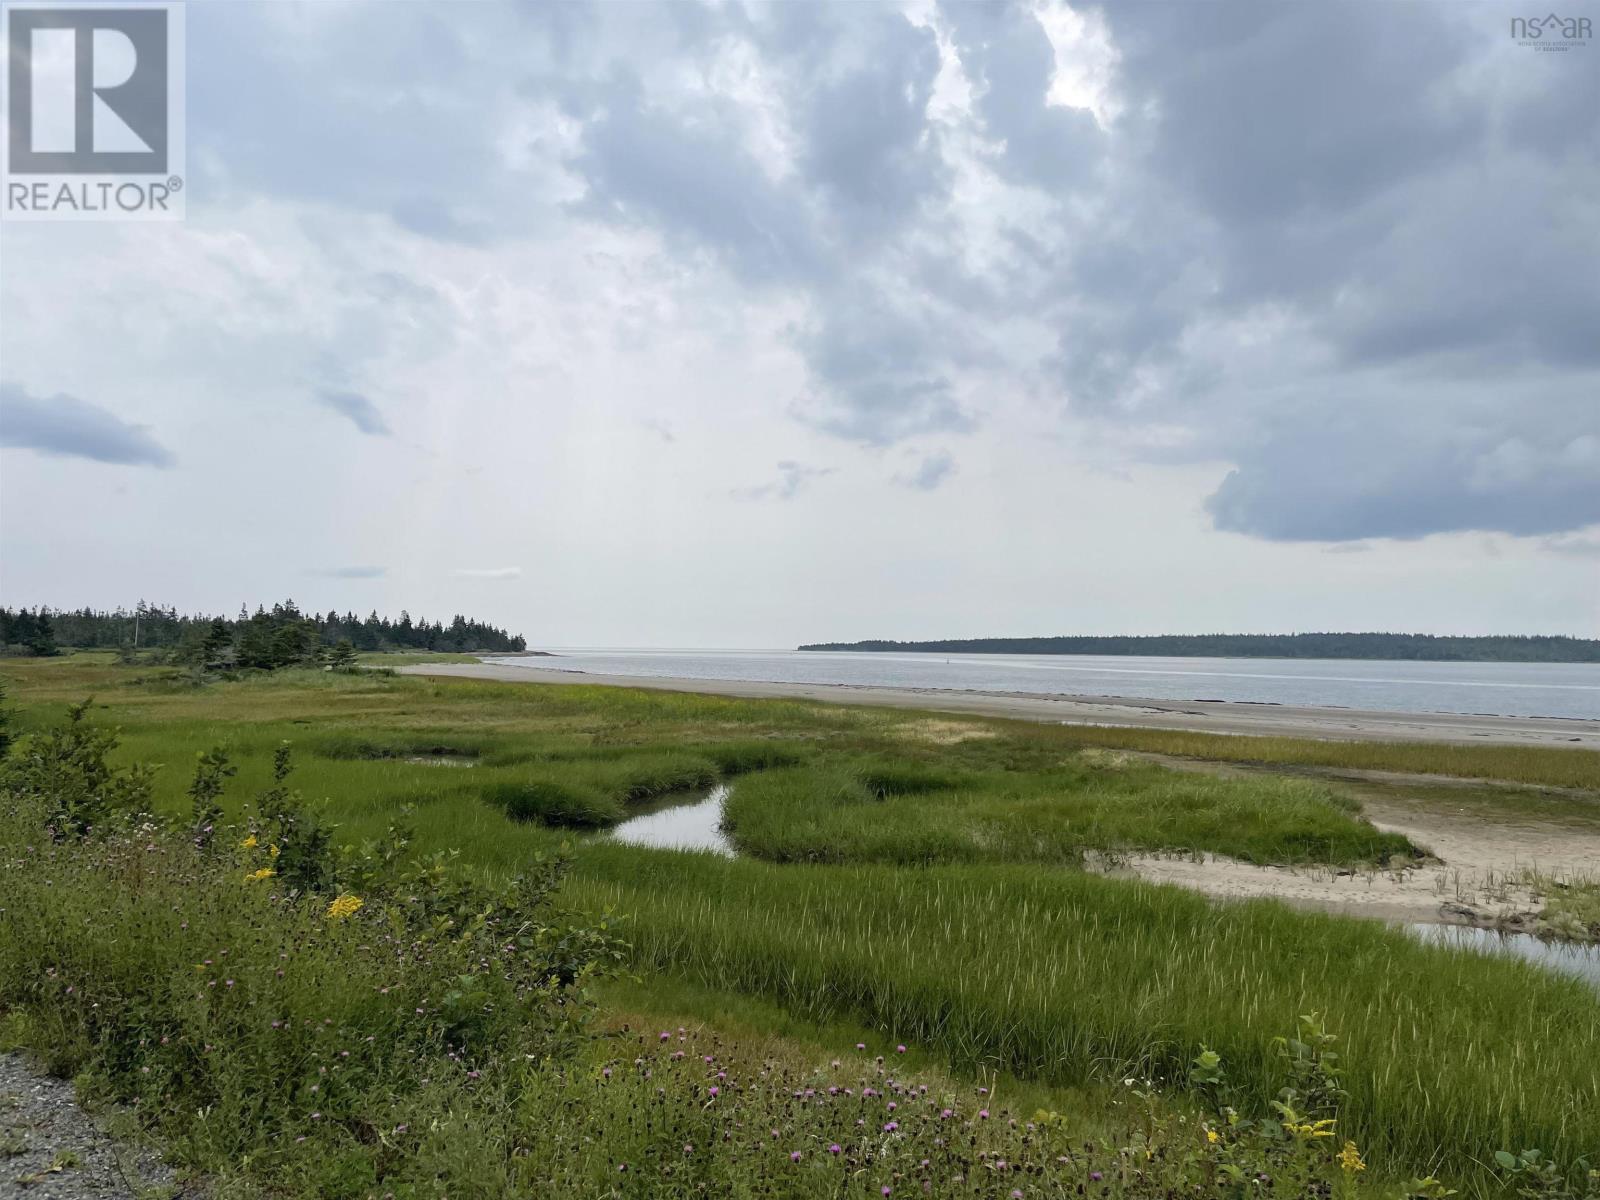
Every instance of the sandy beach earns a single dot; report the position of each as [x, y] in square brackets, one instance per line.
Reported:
[1207, 716]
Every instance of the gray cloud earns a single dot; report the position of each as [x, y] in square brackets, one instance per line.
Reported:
[1379, 203]
[350, 572]
[1009, 58]
[929, 473]
[1583, 544]
[866, 139]
[68, 427]
[1325, 477]
[361, 411]
[792, 478]
[697, 182]
[487, 572]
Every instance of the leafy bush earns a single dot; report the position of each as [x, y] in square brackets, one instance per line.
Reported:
[64, 769]
[242, 1013]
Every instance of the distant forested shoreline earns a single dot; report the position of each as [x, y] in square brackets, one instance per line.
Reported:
[266, 638]
[1420, 647]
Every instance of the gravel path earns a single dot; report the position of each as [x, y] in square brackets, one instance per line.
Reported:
[51, 1149]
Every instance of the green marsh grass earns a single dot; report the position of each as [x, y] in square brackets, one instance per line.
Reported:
[1017, 965]
[909, 814]
[1072, 979]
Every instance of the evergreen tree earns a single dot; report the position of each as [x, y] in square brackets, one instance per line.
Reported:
[343, 656]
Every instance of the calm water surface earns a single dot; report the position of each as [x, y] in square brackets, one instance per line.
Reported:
[1502, 689]
[694, 824]
[1568, 959]
[680, 824]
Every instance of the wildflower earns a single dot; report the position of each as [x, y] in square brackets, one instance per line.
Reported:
[249, 843]
[899, 1049]
[1095, 1176]
[272, 851]
[983, 1114]
[861, 1045]
[1309, 1131]
[1350, 1159]
[794, 1156]
[344, 905]
[263, 873]
[1212, 1137]
[835, 1148]
[891, 1126]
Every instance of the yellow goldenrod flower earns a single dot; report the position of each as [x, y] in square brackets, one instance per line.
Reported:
[1313, 1129]
[344, 906]
[263, 873]
[272, 851]
[1350, 1159]
[249, 843]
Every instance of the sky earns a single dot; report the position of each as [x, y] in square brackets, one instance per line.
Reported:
[737, 324]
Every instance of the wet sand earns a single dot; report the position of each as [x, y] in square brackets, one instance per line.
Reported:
[1205, 716]
[1477, 876]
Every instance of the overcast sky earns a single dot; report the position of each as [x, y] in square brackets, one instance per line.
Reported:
[737, 324]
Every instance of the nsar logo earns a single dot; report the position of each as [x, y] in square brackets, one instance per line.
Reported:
[1552, 32]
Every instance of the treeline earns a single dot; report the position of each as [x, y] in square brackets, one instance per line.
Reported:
[1415, 646]
[266, 638]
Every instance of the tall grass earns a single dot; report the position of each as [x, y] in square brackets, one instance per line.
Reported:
[872, 810]
[1067, 978]
[1025, 968]
[1548, 766]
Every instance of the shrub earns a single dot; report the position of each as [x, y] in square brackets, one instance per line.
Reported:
[65, 770]
[242, 1018]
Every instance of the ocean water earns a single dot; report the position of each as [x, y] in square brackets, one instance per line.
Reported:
[1501, 689]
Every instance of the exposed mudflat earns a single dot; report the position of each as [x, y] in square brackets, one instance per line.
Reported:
[1206, 716]
[1476, 874]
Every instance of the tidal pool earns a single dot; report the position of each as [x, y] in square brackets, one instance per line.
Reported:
[690, 823]
[1582, 961]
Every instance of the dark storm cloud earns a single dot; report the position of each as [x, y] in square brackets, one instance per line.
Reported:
[68, 427]
[363, 413]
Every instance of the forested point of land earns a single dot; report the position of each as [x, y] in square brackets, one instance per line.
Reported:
[266, 638]
[1417, 646]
